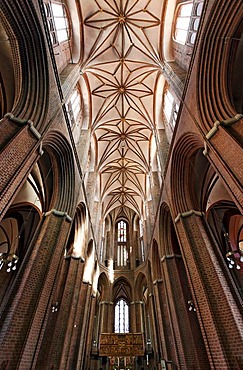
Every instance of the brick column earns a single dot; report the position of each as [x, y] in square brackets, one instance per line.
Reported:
[17, 156]
[217, 309]
[228, 162]
[90, 334]
[137, 317]
[166, 337]
[23, 316]
[158, 321]
[86, 298]
[76, 321]
[106, 324]
[184, 330]
[62, 325]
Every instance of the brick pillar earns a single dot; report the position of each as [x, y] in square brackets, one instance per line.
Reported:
[153, 325]
[176, 309]
[163, 333]
[76, 321]
[76, 327]
[16, 158]
[62, 325]
[217, 309]
[184, 330]
[228, 162]
[156, 327]
[136, 250]
[86, 298]
[90, 337]
[107, 247]
[106, 324]
[137, 316]
[23, 316]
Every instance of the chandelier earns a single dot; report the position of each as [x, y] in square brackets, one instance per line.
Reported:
[10, 259]
[235, 257]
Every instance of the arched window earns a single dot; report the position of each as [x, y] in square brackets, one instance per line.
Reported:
[122, 254]
[187, 21]
[182, 21]
[121, 317]
[57, 22]
[170, 109]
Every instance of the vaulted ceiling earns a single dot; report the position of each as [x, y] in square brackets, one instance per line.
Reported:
[121, 60]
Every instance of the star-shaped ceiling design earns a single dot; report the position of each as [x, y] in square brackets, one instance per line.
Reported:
[121, 60]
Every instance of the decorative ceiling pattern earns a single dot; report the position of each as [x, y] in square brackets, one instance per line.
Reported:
[121, 61]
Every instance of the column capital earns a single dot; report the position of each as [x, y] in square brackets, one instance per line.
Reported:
[57, 213]
[188, 213]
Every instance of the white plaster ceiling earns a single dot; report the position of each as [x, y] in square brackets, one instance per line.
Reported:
[121, 61]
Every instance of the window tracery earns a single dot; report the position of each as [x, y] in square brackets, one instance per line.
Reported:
[187, 21]
[74, 107]
[122, 255]
[57, 22]
[121, 317]
[170, 109]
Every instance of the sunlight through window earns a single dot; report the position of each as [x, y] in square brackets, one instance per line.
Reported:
[121, 317]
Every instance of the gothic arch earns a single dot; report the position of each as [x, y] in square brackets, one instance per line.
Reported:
[30, 85]
[216, 49]
[104, 287]
[62, 163]
[122, 289]
[168, 240]
[89, 263]
[140, 285]
[155, 261]
[77, 238]
[182, 172]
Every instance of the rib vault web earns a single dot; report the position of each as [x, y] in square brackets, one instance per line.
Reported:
[121, 60]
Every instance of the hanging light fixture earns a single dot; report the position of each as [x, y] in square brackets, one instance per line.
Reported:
[235, 257]
[10, 259]
[191, 306]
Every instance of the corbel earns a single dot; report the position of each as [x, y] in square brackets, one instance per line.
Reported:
[58, 214]
[225, 123]
[188, 213]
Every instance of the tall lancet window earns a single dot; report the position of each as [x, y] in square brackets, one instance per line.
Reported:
[122, 255]
[121, 317]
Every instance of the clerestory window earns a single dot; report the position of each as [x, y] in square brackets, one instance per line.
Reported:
[187, 21]
[121, 317]
[122, 255]
[170, 109]
[57, 22]
[74, 107]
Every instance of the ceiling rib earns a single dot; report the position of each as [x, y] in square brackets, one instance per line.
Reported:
[122, 62]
